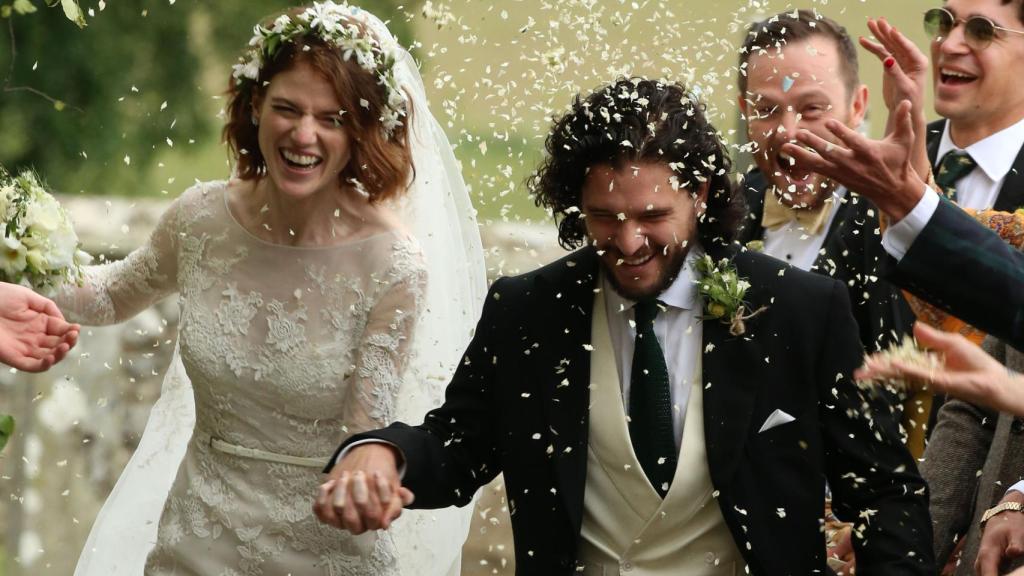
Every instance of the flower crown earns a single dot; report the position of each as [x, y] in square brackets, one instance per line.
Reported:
[333, 23]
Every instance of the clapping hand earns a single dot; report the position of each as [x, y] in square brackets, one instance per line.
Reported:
[33, 332]
[363, 491]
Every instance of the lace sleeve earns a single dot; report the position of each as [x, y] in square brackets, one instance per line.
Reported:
[383, 354]
[116, 291]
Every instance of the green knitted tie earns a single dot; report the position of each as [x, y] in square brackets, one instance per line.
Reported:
[650, 403]
[954, 166]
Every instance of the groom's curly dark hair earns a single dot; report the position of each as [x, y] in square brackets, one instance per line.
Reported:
[634, 120]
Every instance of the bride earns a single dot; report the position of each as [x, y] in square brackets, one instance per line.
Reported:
[341, 263]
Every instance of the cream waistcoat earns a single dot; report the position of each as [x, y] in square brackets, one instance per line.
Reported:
[627, 528]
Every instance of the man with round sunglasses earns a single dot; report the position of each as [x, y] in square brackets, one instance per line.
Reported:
[976, 156]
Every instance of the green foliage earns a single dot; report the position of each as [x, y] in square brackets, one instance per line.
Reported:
[105, 123]
[6, 429]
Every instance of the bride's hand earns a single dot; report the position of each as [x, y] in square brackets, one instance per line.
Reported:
[363, 491]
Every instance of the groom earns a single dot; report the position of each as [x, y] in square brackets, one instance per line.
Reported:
[636, 434]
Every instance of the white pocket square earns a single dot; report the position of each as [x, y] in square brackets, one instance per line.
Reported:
[777, 418]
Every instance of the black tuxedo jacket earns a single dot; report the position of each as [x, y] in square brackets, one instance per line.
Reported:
[518, 404]
[851, 253]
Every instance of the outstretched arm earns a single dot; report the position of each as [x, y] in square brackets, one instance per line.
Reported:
[446, 458]
[33, 332]
[363, 490]
[116, 291]
[968, 372]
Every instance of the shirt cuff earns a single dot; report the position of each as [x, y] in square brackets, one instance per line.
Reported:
[401, 455]
[898, 237]
[1019, 487]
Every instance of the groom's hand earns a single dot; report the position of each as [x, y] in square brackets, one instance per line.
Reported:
[363, 491]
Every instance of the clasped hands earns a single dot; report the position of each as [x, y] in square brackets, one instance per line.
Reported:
[363, 491]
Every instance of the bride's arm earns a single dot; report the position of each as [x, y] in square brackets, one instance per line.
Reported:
[115, 291]
[383, 352]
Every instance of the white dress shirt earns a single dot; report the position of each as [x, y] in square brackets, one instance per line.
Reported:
[1019, 487]
[677, 328]
[791, 243]
[994, 156]
[979, 190]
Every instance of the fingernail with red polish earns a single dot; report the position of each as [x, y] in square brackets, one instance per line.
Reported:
[889, 62]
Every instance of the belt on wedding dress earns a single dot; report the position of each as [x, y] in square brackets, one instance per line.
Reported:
[256, 454]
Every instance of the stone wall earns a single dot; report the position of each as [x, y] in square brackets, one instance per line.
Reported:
[78, 424]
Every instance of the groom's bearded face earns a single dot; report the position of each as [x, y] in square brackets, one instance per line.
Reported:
[642, 224]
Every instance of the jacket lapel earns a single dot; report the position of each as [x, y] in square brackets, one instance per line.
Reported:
[1011, 194]
[567, 295]
[932, 139]
[835, 247]
[730, 380]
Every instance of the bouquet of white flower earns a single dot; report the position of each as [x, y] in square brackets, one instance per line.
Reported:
[39, 248]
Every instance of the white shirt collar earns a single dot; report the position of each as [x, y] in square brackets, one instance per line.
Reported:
[994, 154]
[681, 293]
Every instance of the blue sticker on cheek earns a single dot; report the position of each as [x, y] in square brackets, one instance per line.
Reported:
[787, 83]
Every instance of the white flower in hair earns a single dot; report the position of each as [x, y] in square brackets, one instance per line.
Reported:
[335, 25]
[280, 24]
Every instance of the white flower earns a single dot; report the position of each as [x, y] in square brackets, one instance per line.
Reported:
[12, 257]
[7, 194]
[82, 257]
[390, 119]
[249, 69]
[37, 260]
[281, 23]
[44, 214]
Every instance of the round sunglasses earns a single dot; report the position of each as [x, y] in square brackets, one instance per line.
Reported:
[979, 31]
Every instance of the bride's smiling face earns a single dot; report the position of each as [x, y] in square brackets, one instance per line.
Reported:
[301, 133]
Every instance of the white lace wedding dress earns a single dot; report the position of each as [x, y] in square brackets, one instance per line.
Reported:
[288, 350]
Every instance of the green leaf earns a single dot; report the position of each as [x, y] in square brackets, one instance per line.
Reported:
[6, 429]
[5, 11]
[24, 7]
[73, 12]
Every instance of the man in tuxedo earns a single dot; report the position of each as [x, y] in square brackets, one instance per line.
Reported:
[976, 153]
[797, 70]
[638, 434]
[33, 332]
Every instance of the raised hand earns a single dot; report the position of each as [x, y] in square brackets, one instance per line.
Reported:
[968, 372]
[33, 332]
[878, 169]
[363, 491]
[905, 76]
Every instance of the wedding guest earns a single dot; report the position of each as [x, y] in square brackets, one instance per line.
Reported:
[633, 435]
[885, 164]
[797, 70]
[33, 332]
[303, 283]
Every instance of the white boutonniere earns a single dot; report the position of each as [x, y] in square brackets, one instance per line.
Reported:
[723, 290]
